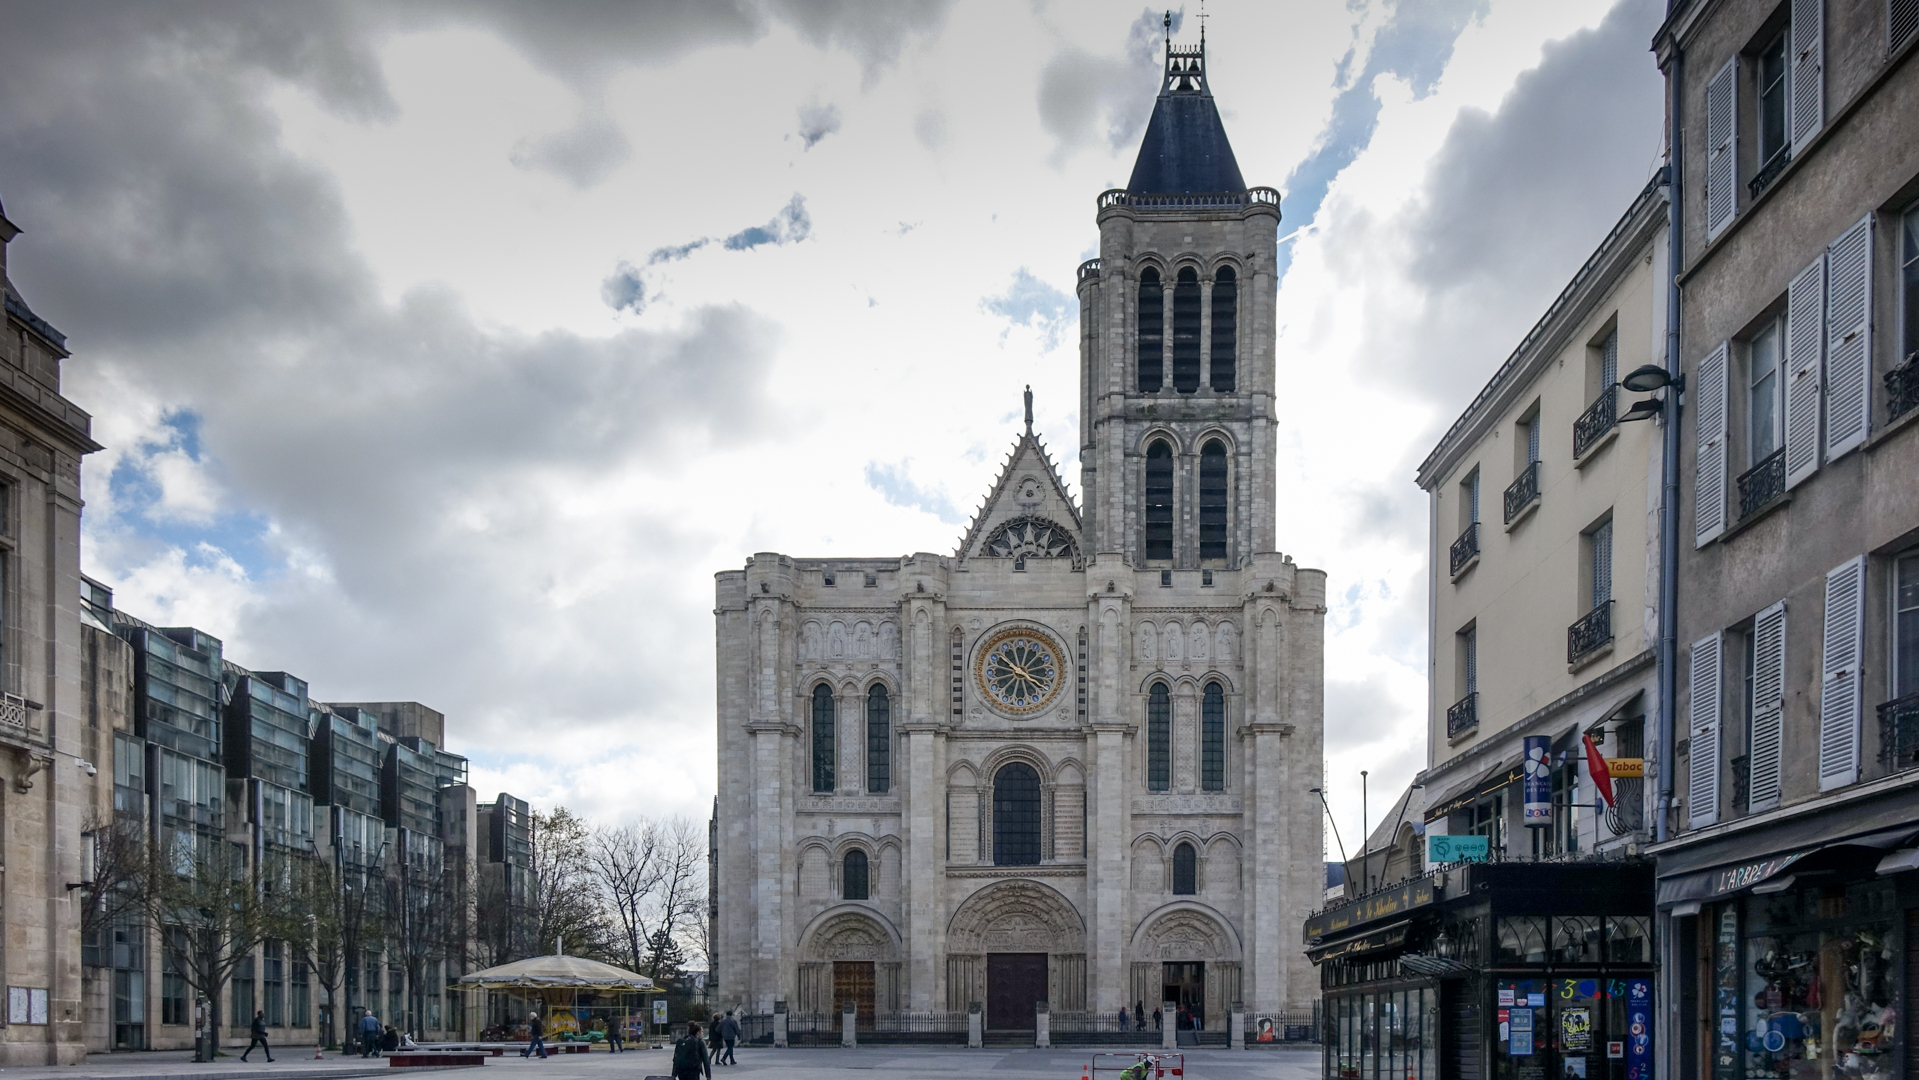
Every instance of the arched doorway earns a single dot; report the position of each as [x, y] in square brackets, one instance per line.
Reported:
[1012, 944]
[849, 955]
[1187, 953]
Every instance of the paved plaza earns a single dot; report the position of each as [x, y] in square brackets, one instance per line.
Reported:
[876, 1062]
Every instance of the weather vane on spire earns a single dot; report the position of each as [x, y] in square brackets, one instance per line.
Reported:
[1029, 408]
[1167, 24]
[1202, 24]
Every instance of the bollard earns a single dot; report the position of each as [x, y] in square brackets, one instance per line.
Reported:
[975, 1033]
[849, 1025]
[779, 1024]
[1169, 1025]
[1042, 1026]
[1238, 1021]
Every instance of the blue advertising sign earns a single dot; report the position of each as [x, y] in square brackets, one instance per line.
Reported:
[1537, 780]
[1451, 849]
[1639, 1029]
[1521, 1043]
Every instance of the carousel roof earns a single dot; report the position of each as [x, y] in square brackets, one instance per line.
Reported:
[555, 973]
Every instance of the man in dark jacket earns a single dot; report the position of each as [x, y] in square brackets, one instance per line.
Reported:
[690, 1059]
[369, 1034]
[259, 1036]
[730, 1031]
[535, 1033]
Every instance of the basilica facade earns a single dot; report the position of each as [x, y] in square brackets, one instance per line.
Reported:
[1074, 760]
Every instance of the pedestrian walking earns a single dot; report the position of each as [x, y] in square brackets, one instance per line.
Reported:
[369, 1034]
[536, 1036]
[730, 1032]
[1123, 1024]
[1157, 1021]
[1139, 1014]
[259, 1039]
[690, 1059]
[616, 1035]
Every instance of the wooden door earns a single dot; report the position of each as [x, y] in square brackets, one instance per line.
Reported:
[1015, 983]
[853, 981]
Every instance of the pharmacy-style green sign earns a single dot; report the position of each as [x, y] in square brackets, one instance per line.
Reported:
[1451, 849]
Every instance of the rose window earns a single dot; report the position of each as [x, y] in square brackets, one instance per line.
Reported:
[1019, 671]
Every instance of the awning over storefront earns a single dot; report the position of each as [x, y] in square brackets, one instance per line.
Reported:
[1386, 937]
[1723, 881]
[1462, 795]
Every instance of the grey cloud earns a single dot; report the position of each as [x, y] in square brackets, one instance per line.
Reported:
[817, 121]
[1083, 96]
[425, 463]
[875, 33]
[583, 154]
[624, 289]
[676, 252]
[1566, 151]
[929, 127]
[1359, 712]
[1032, 303]
[791, 225]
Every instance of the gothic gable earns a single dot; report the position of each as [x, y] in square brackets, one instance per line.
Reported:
[1028, 514]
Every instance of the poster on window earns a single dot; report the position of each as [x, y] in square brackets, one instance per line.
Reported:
[1576, 1030]
[1521, 1042]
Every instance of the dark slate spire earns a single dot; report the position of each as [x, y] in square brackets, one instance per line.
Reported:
[1185, 150]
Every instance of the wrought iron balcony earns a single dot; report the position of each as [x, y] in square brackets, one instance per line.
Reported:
[1769, 172]
[1761, 484]
[1899, 733]
[1466, 548]
[1600, 417]
[13, 712]
[1463, 717]
[1902, 388]
[1591, 632]
[1522, 492]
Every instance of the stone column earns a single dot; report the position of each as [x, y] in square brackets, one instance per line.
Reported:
[1265, 739]
[1206, 333]
[975, 1036]
[779, 1024]
[1169, 1025]
[923, 800]
[1108, 788]
[1236, 1035]
[1185, 738]
[1042, 1026]
[849, 1025]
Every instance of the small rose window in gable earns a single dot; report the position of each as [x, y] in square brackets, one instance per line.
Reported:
[1025, 538]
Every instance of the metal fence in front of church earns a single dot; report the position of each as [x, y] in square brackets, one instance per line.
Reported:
[932, 1028]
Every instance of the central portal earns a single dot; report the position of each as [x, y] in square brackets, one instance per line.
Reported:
[1015, 983]
[853, 981]
[1185, 985]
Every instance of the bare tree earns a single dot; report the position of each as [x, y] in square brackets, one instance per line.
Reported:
[567, 907]
[420, 908]
[120, 871]
[625, 858]
[681, 890]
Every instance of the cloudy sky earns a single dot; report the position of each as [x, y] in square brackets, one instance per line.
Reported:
[444, 351]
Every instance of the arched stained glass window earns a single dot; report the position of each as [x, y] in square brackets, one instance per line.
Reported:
[822, 738]
[1225, 330]
[879, 741]
[853, 882]
[1186, 308]
[1159, 500]
[1016, 815]
[1212, 738]
[1159, 738]
[1152, 332]
[1212, 500]
[1185, 871]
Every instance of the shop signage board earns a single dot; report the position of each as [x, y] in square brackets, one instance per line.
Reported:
[1638, 1029]
[1451, 849]
[1537, 782]
[1382, 905]
[659, 1010]
[1629, 767]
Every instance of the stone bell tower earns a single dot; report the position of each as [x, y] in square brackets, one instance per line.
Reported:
[1176, 346]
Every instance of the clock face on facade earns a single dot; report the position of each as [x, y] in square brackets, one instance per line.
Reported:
[1019, 671]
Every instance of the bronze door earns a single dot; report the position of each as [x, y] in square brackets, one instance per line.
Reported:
[1015, 983]
[853, 981]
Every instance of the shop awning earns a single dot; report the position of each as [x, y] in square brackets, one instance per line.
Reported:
[1386, 937]
[1723, 881]
[1462, 795]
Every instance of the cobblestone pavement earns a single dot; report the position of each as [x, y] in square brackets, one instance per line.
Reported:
[878, 1063]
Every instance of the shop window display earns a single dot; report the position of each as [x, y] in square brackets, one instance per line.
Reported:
[1390, 1035]
[1821, 984]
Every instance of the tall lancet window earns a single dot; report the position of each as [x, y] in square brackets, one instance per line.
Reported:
[1159, 500]
[1186, 308]
[822, 738]
[1225, 329]
[1016, 820]
[879, 741]
[853, 880]
[1152, 332]
[1212, 500]
[1159, 738]
[1212, 738]
[1185, 871]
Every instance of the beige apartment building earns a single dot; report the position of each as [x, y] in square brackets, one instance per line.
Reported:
[49, 780]
[1544, 569]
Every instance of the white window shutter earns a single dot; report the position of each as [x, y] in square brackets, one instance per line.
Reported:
[1768, 707]
[1805, 346]
[1849, 339]
[1709, 470]
[1722, 140]
[1808, 79]
[1702, 785]
[1839, 682]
